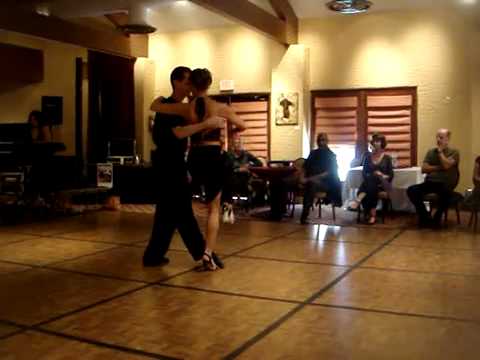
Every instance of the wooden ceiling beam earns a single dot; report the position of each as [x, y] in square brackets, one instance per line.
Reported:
[28, 22]
[117, 19]
[252, 16]
[285, 11]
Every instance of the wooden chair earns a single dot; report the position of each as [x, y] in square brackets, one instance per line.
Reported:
[296, 191]
[455, 202]
[474, 219]
[320, 200]
[386, 207]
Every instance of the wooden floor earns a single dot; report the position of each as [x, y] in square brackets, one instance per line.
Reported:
[75, 289]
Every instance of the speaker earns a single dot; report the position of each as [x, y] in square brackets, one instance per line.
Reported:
[52, 109]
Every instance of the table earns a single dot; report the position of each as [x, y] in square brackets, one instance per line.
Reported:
[402, 180]
[278, 193]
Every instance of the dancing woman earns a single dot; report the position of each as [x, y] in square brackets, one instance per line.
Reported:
[206, 161]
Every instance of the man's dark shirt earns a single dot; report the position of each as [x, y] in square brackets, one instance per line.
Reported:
[320, 161]
[170, 151]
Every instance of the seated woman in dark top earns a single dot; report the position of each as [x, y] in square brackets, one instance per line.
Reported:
[473, 201]
[206, 160]
[41, 129]
[377, 177]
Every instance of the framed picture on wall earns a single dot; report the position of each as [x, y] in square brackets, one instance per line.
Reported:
[286, 109]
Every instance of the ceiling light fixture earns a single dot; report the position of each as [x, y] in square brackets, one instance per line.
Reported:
[42, 9]
[137, 20]
[349, 6]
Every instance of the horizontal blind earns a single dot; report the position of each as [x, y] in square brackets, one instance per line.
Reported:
[391, 115]
[338, 117]
[255, 115]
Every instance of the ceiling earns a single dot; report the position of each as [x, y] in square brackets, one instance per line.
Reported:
[183, 15]
[315, 8]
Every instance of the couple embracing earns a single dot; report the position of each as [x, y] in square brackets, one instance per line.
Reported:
[201, 120]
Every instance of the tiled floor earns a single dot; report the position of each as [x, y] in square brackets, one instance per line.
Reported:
[76, 286]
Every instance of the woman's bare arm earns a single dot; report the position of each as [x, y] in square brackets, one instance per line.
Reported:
[228, 113]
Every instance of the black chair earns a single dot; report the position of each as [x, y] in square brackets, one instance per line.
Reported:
[456, 200]
[386, 207]
[474, 219]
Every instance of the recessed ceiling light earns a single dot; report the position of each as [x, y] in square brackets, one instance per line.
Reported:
[349, 6]
[469, 2]
[181, 2]
[42, 9]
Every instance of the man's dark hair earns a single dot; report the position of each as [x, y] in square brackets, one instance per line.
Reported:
[178, 74]
[201, 79]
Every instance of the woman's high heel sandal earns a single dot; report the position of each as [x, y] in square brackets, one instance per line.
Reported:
[208, 262]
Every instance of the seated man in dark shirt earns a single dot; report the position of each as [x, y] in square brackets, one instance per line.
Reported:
[441, 167]
[321, 175]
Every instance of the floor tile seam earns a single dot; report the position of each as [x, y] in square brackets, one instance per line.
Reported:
[432, 248]
[362, 242]
[252, 257]
[20, 241]
[100, 344]
[33, 266]
[273, 238]
[359, 226]
[12, 334]
[91, 306]
[168, 278]
[356, 265]
[90, 241]
[439, 273]
[96, 275]
[40, 266]
[116, 247]
[396, 313]
[229, 293]
[277, 323]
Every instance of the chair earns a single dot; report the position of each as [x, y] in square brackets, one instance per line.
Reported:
[455, 201]
[294, 190]
[386, 207]
[320, 200]
[474, 219]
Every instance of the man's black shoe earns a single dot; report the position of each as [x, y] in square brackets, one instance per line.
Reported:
[156, 262]
[217, 260]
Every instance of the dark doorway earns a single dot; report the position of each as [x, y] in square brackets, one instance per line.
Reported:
[111, 102]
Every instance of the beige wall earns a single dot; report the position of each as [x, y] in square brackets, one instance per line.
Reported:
[144, 94]
[428, 50]
[437, 52]
[233, 53]
[290, 77]
[475, 80]
[17, 101]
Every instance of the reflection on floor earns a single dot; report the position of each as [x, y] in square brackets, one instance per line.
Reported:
[76, 286]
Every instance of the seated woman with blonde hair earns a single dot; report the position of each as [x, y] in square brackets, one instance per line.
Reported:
[206, 161]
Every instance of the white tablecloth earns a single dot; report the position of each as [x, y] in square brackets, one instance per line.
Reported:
[402, 179]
